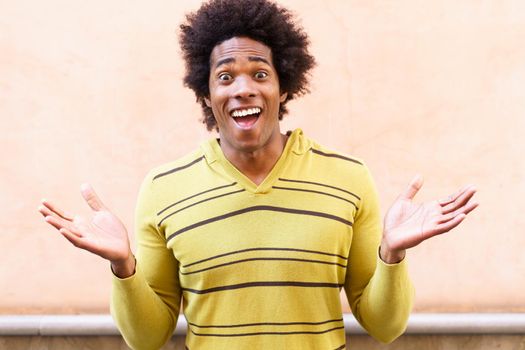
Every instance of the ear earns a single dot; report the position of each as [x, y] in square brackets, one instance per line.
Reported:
[207, 101]
[283, 97]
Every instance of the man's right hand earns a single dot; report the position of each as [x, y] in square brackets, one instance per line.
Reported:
[102, 234]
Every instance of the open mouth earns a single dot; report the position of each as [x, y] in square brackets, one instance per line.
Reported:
[246, 117]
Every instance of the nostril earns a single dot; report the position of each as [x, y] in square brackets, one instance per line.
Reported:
[241, 95]
[244, 90]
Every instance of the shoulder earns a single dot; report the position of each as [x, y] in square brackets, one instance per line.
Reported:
[333, 161]
[177, 167]
[175, 172]
[305, 146]
[168, 179]
[339, 169]
[335, 157]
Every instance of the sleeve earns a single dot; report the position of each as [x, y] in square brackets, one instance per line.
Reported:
[380, 295]
[145, 306]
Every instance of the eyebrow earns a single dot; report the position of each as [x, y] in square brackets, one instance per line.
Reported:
[250, 58]
[258, 59]
[224, 61]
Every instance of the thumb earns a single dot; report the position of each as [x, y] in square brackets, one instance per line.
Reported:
[413, 187]
[91, 197]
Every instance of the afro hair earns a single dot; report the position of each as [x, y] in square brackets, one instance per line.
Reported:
[260, 20]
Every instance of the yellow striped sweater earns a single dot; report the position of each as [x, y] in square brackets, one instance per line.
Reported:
[259, 267]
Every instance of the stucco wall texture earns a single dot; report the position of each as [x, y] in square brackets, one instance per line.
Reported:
[92, 92]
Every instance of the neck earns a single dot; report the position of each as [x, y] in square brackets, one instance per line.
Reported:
[256, 165]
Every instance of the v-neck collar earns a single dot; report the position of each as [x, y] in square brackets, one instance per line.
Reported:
[296, 143]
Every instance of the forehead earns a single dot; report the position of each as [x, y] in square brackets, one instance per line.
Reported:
[240, 47]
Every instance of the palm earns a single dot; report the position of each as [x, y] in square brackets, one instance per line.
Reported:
[407, 223]
[411, 223]
[102, 233]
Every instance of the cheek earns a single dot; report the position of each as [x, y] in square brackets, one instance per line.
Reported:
[217, 101]
[271, 95]
[221, 95]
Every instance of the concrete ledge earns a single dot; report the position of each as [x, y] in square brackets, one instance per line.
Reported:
[467, 323]
[102, 325]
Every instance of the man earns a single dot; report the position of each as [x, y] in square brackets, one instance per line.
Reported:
[258, 231]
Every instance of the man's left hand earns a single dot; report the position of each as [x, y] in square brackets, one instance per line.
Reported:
[407, 223]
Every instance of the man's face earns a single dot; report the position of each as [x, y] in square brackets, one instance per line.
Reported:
[244, 95]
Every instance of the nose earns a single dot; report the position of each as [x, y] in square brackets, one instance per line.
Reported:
[244, 87]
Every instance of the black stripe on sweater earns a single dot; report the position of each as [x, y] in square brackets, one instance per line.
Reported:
[195, 195]
[316, 192]
[262, 259]
[257, 208]
[334, 155]
[265, 333]
[266, 324]
[264, 284]
[199, 202]
[174, 170]
[265, 249]
[321, 184]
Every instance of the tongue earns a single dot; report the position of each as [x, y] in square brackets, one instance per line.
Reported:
[247, 121]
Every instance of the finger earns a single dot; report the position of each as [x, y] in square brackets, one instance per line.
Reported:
[413, 187]
[449, 225]
[45, 211]
[91, 197]
[79, 242]
[60, 223]
[71, 237]
[454, 196]
[57, 211]
[470, 207]
[53, 222]
[460, 200]
[467, 208]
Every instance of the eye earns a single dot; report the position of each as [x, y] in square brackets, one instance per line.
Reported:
[261, 75]
[225, 77]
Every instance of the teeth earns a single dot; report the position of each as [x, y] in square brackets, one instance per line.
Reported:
[244, 112]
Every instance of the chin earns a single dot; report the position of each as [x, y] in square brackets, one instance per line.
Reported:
[248, 147]
[247, 139]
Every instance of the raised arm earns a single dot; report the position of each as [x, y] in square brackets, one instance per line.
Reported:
[379, 294]
[146, 294]
[146, 305]
[378, 286]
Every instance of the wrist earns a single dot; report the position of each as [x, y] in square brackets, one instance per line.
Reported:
[391, 256]
[124, 268]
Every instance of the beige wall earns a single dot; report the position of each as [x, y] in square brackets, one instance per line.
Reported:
[92, 92]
